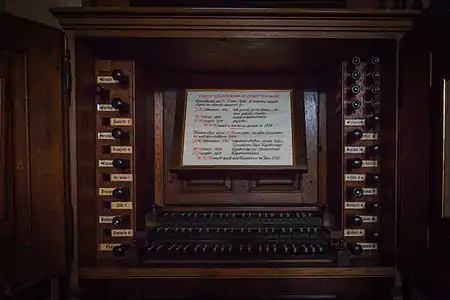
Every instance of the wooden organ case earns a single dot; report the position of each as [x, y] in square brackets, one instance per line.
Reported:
[335, 223]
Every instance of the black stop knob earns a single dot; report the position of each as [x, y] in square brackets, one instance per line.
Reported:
[375, 104]
[375, 149]
[375, 89]
[375, 75]
[356, 60]
[355, 135]
[121, 192]
[119, 251]
[122, 164]
[117, 222]
[354, 163]
[355, 75]
[119, 76]
[354, 221]
[118, 133]
[376, 207]
[355, 104]
[119, 104]
[355, 249]
[356, 192]
[375, 60]
[374, 236]
[99, 90]
[373, 178]
[355, 89]
[373, 121]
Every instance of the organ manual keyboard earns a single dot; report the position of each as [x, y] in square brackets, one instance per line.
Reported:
[238, 237]
[220, 153]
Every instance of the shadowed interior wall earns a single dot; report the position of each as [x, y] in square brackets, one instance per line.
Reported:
[36, 10]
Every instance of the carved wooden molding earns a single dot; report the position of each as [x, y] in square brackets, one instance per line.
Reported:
[228, 23]
[203, 273]
[102, 3]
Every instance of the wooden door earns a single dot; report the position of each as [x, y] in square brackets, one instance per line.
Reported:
[413, 152]
[424, 167]
[33, 148]
[437, 275]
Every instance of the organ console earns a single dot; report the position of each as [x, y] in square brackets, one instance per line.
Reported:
[222, 153]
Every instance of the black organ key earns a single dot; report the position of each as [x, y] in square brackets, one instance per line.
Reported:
[294, 249]
[305, 249]
[274, 248]
[152, 247]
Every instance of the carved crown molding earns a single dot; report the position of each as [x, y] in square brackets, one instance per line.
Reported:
[239, 23]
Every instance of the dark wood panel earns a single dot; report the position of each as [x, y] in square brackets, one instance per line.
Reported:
[85, 149]
[144, 153]
[413, 158]
[229, 289]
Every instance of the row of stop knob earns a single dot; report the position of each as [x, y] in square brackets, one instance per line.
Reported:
[363, 109]
[115, 91]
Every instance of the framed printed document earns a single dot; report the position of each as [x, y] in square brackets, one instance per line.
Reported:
[238, 129]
